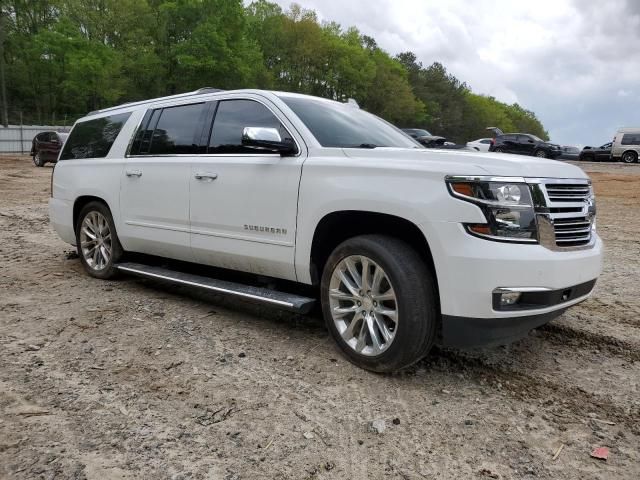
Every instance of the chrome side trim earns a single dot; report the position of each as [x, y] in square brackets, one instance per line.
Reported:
[521, 289]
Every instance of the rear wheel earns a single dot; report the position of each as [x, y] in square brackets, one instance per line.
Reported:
[379, 302]
[97, 241]
[37, 160]
[499, 150]
[540, 154]
[629, 157]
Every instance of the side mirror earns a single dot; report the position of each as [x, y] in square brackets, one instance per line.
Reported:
[265, 138]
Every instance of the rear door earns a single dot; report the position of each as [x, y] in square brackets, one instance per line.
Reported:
[244, 201]
[154, 194]
[510, 143]
[526, 145]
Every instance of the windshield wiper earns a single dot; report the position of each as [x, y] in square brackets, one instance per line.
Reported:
[362, 145]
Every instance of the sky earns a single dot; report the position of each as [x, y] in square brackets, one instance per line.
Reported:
[575, 63]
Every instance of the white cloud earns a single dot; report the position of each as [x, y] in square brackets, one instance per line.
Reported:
[567, 60]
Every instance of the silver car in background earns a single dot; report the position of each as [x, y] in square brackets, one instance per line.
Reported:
[626, 145]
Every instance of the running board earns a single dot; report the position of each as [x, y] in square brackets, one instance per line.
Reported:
[287, 301]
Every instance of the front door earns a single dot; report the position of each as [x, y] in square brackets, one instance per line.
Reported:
[154, 193]
[244, 201]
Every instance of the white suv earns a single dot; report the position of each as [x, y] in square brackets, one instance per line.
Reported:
[407, 246]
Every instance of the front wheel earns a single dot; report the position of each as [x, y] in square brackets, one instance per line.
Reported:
[97, 241]
[541, 154]
[379, 302]
[629, 157]
[37, 160]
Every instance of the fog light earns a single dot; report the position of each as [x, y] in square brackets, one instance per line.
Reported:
[509, 298]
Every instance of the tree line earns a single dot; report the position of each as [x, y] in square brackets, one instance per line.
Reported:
[62, 58]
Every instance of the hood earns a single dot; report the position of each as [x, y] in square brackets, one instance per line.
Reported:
[468, 162]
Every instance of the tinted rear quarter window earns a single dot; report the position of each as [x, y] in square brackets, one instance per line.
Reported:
[93, 138]
[631, 139]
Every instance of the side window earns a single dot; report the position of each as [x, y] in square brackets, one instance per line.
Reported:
[232, 116]
[485, 141]
[93, 138]
[524, 139]
[508, 138]
[631, 139]
[142, 139]
[178, 130]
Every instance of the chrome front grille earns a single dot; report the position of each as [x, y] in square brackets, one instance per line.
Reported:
[571, 210]
[563, 192]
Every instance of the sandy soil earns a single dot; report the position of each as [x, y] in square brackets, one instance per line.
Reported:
[130, 379]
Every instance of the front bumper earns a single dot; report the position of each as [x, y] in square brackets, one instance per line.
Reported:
[466, 332]
[469, 269]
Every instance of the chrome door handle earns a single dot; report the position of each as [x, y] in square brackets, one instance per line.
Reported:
[205, 176]
[133, 173]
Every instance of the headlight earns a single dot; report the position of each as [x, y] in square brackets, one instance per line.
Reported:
[507, 206]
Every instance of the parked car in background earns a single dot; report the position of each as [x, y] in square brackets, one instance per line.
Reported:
[424, 137]
[403, 245]
[626, 145]
[525, 144]
[569, 153]
[480, 145]
[46, 146]
[596, 154]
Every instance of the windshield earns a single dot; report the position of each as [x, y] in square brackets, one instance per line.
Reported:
[536, 138]
[341, 125]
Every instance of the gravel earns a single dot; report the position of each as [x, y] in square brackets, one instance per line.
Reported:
[134, 379]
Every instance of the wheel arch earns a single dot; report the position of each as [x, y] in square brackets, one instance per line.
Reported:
[80, 203]
[338, 226]
[629, 150]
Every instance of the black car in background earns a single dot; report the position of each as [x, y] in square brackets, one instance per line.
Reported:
[525, 144]
[46, 146]
[596, 154]
[569, 153]
[424, 137]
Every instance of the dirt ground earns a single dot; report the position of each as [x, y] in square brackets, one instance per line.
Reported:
[130, 379]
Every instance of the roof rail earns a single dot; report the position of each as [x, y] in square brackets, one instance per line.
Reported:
[200, 91]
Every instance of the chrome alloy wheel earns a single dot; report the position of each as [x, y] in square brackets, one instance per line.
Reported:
[363, 305]
[95, 240]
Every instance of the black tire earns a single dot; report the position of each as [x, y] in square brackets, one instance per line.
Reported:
[629, 157]
[540, 154]
[589, 158]
[109, 269]
[416, 298]
[498, 150]
[37, 160]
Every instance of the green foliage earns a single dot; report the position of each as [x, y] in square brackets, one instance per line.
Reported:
[455, 112]
[67, 56]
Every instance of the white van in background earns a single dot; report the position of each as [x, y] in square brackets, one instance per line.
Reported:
[626, 145]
